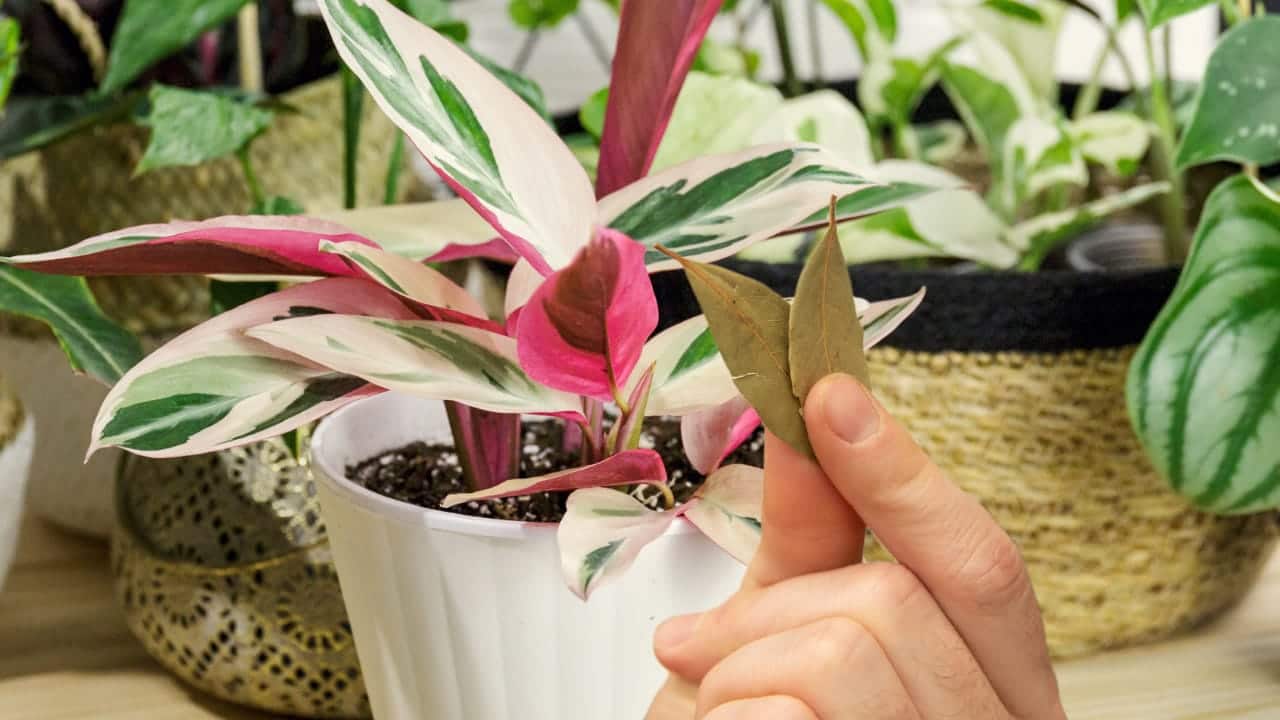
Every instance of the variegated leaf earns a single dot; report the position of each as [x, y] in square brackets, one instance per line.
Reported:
[1036, 237]
[880, 319]
[708, 436]
[522, 283]
[712, 207]
[425, 231]
[487, 143]
[629, 467]
[728, 509]
[1115, 140]
[438, 360]
[233, 245]
[602, 533]
[212, 387]
[716, 114]
[825, 118]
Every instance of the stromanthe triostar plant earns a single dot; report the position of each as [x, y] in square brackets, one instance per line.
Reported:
[580, 309]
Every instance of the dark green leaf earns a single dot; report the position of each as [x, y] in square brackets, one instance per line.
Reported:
[882, 21]
[437, 15]
[1158, 12]
[224, 295]
[527, 89]
[9, 39]
[826, 335]
[1015, 9]
[750, 324]
[352, 117]
[534, 14]
[591, 115]
[31, 123]
[93, 343]
[189, 127]
[277, 205]
[1204, 387]
[1237, 114]
[151, 30]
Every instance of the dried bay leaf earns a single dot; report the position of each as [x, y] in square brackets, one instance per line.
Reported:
[826, 335]
[751, 326]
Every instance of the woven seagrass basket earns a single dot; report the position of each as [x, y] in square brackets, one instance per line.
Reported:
[223, 571]
[1014, 383]
[83, 186]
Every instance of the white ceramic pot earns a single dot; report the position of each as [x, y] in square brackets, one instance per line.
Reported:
[65, 489]
[15, 463]
[462, 618]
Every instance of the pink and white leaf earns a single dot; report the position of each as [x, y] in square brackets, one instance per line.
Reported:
[601, 534]
[728, 509]
[437, 360]
[521, 285]
[710, 435]
[213, 388]
[434, 231]
[488, 444]
[494, 150]
[714, 206]
[689, 375]
[631, 467]
[234, 245]
[880, 319]
[657, 43]
[584, 328]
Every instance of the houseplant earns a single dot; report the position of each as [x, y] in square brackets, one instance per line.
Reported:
[1013, 380]
[380, 321]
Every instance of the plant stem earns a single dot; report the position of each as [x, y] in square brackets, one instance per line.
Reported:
[250, 177]
[1089, 96]
[352, 115]
[815, 41]
[392, 191]
[1173, 208]
[525, 52]
[593, 41]
[790, 81]
[250, 50]
[668, 497]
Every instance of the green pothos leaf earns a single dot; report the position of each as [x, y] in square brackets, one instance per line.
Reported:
[189, 127]
[149, 31]
[750, 324]
[1204, 387]
[826, 336]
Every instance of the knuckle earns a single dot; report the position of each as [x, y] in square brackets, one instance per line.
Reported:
[836, 642]
[895, 586]
[993, 574]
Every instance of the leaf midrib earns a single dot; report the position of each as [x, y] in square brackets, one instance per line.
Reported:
[70, 321]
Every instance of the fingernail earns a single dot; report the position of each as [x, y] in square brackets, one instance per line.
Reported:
[848, 409]
[674, 632]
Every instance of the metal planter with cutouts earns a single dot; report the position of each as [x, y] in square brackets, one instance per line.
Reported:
[223, 571]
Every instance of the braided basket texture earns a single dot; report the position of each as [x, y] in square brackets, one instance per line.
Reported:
[1015, 385]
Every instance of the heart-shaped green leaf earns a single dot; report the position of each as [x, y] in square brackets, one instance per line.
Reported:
[1237, 112]
[750, 324]
[1204, 388]
[826, 336]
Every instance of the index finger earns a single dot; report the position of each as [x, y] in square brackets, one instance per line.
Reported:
[968, 563]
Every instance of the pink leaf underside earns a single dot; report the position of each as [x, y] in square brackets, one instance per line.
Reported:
[496, 249]
[512, 167]
[491, 441]
[710, 435]
[636, 401]
[625, 468]
[657, 42]
[599, 520]
[584, 328]
[728, 509]
[233, 245]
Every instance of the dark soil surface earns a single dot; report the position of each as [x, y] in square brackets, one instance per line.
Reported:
[422, 474]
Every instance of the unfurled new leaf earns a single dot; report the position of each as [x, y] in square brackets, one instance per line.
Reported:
[826, 336]
[750, 324]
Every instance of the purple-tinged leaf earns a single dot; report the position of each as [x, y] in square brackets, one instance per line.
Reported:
[213, 387]
[494, 249]
[626, 433]
[233, 245]
[487, 144]
[602, 533]
[657, 43]
[728, 509]
[488, 444]
[710, 435]
[584, 328]
[632, 467]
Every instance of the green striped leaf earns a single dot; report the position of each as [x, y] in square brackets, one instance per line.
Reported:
[602, 532]
[729, 508]
[494, 149]
[213, 387]
[1204, 387]
[1115, 140]
[712, 207]
[1237, 111]
[407, 278]
[93, 343]
[438, 360]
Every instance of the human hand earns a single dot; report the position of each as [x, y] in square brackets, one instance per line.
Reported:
[952, 632]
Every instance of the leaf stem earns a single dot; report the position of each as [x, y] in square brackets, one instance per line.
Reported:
[250, 177]
[352, 112]
[790, 81]
[394, 164]
[1172, 204]
[1091, 94]
[668, 497]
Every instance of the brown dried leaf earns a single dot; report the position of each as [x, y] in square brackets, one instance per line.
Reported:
[826, 336]
[750, 324]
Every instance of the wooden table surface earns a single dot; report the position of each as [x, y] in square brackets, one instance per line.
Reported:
[65, 654]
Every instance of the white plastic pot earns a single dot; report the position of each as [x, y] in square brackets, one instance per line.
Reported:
[65, 489]
[15, 463]
[462, 618]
